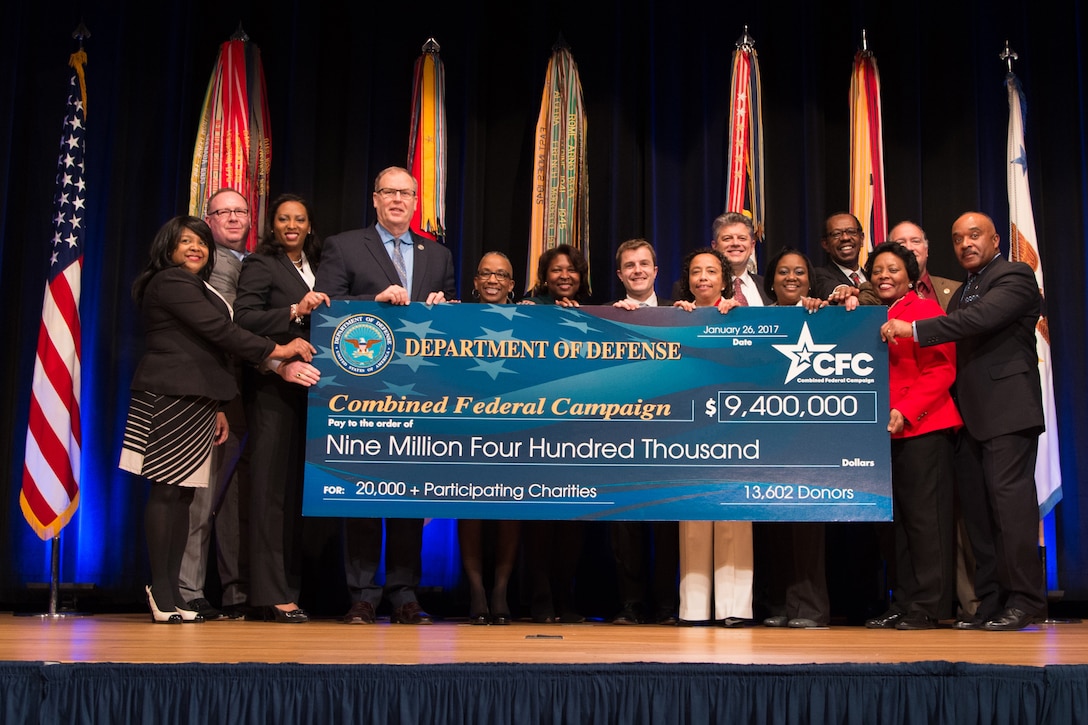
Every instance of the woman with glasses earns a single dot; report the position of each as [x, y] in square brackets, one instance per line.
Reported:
[493, 283]
[276, 298]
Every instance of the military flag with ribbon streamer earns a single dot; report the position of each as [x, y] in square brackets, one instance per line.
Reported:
[1024, 247]
[427, 142]
[234, 139]
[560, 173]
[745, 157]
[51, 464]
[867, 151]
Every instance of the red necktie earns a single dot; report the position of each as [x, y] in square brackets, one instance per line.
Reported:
[738, 293]
[855, 278]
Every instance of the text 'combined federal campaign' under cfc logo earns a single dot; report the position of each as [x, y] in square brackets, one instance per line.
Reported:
[805, 354]
[362, 344]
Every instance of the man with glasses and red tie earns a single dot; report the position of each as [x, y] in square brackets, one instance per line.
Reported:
[843, 239]
[386, 262]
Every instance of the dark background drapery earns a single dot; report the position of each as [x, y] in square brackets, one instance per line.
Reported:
[655, 79]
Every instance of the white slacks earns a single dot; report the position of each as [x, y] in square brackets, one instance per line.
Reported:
[715, 566]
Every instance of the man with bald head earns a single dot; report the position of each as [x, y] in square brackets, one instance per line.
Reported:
[992, 321]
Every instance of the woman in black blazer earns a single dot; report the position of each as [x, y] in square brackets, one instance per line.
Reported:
[179, 385]
[275, 298]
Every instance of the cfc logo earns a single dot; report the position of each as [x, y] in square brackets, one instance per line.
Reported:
[805, 354]
[362, 344]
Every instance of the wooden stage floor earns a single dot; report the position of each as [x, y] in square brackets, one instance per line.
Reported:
[132, 638]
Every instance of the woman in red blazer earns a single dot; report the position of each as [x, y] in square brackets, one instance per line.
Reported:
[923, 423]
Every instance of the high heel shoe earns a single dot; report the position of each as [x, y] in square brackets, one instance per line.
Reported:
[275, 614]
[190, 616]
[157, 615]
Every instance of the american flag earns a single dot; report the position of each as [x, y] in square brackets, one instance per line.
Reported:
[50, 494]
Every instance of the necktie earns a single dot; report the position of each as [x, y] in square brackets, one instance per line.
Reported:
[923, 289]
[738, 293]
[398, 262]
[855, 278]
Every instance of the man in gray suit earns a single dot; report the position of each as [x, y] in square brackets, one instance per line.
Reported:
[224, 503]
[992, 321]
[386, 262]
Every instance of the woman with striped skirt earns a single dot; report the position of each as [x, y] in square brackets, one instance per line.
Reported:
[180, 382]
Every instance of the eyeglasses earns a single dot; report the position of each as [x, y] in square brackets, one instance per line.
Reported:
[501, 275]
[392, 193]
[226, 213]
[840, 233]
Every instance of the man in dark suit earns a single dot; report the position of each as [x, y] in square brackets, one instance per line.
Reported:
[382, 263]
[224, 503]
[843, 239]
[734, 235]
[638, 543]
[997, 389]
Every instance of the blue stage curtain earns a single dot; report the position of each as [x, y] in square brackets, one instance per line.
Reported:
[921, 693]
[20, 691]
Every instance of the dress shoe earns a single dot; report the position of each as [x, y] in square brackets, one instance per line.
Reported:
[1009, 620]
[666, 619]
[626, 616]
[916, 621]
[410, 613]
[189, 616]
[779, 620]
[692, 622]
[888, 620]
[479, 619]
[283, 616]
[157, 615]
[803, 623]
[360, 613]
[734, 622]
[205, 609]
[972, 623]
[236, 611]
[501, 619]
[571, 618]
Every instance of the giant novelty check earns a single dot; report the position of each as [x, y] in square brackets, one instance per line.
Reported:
[542, 412]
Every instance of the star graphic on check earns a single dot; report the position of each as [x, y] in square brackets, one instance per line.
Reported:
[419, 329]
[800, 353]
[491, 367]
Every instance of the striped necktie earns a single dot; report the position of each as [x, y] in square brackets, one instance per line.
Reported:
[855, 278]
[398, 262]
